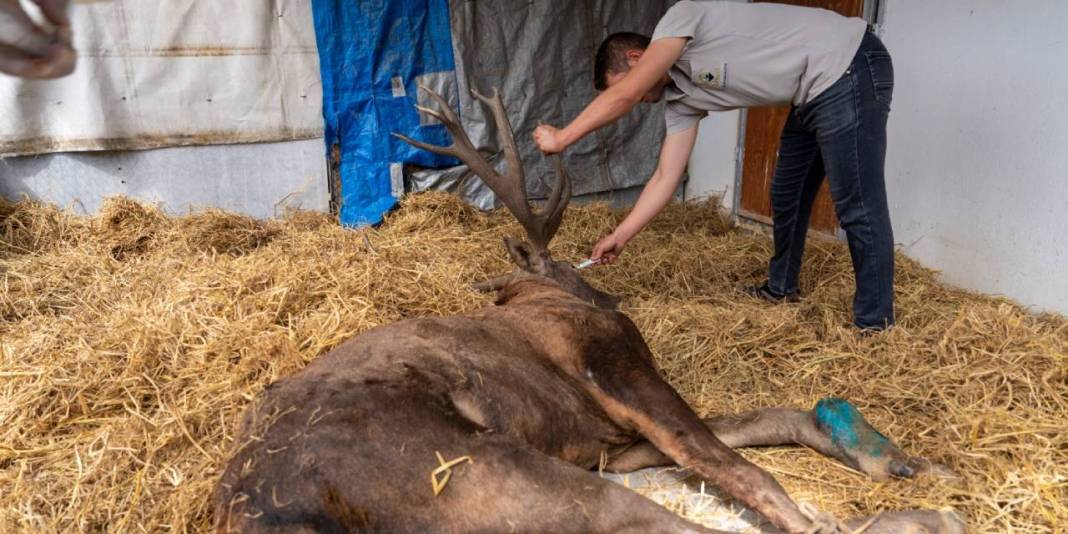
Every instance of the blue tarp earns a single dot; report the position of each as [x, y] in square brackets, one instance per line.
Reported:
[363, 46]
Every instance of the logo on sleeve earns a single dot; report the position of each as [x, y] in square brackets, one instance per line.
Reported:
[713, 78]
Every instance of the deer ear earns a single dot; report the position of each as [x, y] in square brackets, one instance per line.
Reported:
[522, 253]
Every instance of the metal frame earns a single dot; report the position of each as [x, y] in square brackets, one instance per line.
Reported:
[739, 164]
[874, 11]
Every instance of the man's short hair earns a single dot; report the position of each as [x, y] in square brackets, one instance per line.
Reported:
[611, 57]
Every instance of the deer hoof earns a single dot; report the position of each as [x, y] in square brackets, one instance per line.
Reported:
[862, 447]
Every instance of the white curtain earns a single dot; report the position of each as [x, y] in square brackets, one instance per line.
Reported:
[155, 73]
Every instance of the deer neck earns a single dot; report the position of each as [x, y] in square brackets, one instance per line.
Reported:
[530, 288]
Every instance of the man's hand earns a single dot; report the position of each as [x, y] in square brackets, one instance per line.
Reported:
[674, 155]
[30, 51]
[55, 11]
[549, 139]
[608, 248]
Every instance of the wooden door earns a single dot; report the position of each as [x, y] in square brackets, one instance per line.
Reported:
[762, 130]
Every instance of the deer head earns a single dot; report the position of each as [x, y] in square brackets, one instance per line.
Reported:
[530, 255]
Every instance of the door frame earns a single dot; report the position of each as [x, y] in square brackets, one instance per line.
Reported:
[872, 11]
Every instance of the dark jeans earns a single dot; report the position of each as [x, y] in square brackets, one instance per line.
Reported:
[841, 133]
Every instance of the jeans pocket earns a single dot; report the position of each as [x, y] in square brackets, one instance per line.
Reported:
[882, 75]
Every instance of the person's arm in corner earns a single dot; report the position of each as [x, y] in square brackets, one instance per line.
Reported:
[618, 99]
[29, 50]
[674, 156]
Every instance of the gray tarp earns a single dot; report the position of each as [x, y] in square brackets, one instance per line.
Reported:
[540, 54]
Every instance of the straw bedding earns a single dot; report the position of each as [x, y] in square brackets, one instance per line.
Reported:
[131, 342]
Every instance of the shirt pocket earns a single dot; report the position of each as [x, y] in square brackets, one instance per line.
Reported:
[709, 75]
[882, 75]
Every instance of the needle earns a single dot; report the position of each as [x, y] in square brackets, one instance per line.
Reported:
[588, 263]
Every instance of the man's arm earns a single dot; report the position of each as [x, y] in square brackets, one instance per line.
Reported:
[30, 51]
[674, 156]
[618, 99]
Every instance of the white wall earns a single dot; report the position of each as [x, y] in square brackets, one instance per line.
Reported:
[714, 160]
[977, 164]
[977, 167]
[260, 179]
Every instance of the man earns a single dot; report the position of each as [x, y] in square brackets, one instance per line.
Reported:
[28, 50]
[712, 56]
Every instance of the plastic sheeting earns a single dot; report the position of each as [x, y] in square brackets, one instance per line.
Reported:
[540, 54]
[154, 74]
[180, 72]
[373, 55]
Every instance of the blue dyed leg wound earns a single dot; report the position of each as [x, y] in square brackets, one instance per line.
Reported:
[860, 445]
[849, 430]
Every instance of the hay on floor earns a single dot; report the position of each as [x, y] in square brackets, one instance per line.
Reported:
[131, 342]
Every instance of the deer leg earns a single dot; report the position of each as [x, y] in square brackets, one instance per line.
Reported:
[909, 522]
[631, 392]
[640, 455]
[644, 454]
[834, 428]
[523, 490]
[336, 462]
[622, 378]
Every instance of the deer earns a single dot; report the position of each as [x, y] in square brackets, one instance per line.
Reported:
[498, 420]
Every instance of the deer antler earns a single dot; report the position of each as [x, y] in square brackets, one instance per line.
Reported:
[511, 188]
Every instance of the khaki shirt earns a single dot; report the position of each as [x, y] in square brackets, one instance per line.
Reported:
[750, 55]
